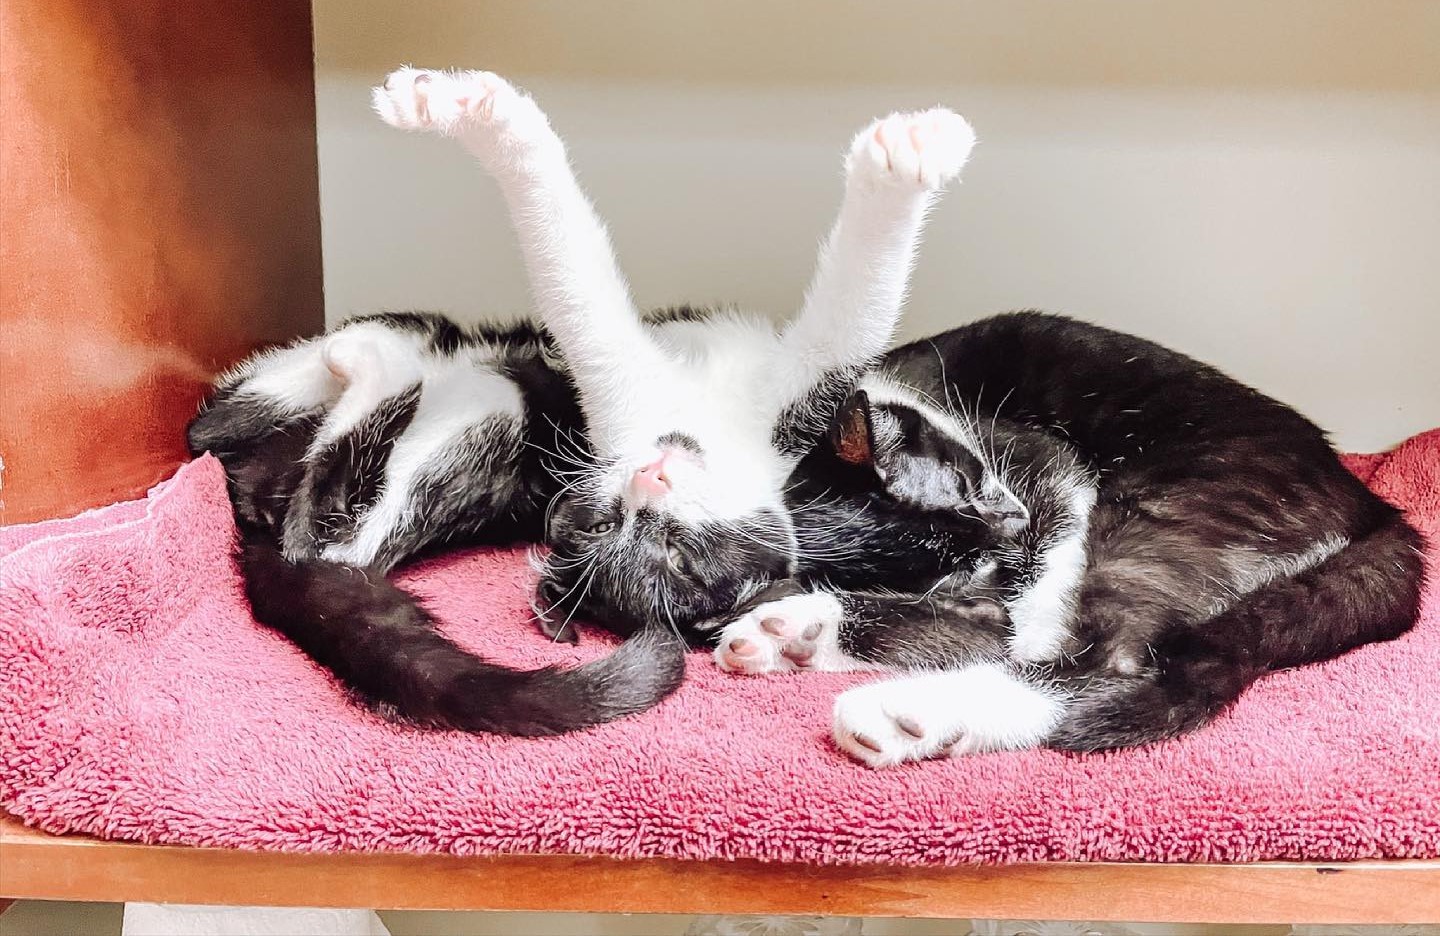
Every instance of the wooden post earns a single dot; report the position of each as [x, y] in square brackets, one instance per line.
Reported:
[159, 218]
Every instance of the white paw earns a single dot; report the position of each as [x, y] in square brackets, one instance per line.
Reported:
[350, 357]
[922, 150]
[893, 722]
[798, 632]
[458, 102]
[982, 707]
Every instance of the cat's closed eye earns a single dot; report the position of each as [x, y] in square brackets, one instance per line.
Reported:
[677, 561]
[600, 527]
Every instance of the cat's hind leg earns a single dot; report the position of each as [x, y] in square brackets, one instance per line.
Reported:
[371, 365]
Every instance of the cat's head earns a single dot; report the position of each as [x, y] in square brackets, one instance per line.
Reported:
[925, 457]
[675, 531]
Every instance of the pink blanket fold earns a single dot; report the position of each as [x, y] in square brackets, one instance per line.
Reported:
[139, 700]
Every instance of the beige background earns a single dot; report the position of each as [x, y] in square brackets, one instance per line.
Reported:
[1257, 184]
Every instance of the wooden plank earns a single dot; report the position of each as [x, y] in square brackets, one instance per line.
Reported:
[37, 865]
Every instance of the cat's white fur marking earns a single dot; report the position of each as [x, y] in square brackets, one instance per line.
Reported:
[373, 364]
[580, 293]
[1041, 615]
[797, 632]
[978, 708]
[292, 379]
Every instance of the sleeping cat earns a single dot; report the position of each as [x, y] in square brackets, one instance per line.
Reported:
[1173, 536]
[659, 445]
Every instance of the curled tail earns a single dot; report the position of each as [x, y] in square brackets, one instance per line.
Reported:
[1368, 591]
[382, 645]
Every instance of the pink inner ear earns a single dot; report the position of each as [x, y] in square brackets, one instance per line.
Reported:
[852, 442]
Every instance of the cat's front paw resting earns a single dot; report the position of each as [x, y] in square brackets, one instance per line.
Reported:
[920, 151]
[797, 632]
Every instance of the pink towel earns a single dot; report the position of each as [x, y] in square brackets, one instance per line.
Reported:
[138, 700]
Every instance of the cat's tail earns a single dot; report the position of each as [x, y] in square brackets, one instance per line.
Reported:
[1368, 591]
[387, 650]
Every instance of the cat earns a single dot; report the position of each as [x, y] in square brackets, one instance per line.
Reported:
[1160, 536]
[658, 444]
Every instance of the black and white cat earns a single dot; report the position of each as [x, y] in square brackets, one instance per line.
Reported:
[1183, 535]
[661, 444]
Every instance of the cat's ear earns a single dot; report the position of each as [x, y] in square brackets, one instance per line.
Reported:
[852, 435]
[558, 631]
[548, 594]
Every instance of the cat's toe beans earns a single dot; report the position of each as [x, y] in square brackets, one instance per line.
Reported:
[869, 729]
[447, 102]
[793, 633]
[744, 647]
[921, 150]
[910, 726]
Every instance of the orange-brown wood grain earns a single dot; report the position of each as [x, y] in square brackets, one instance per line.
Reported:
[43, 866]
[159, 217]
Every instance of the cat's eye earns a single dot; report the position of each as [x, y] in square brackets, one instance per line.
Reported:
[600, 528]
[677, 560]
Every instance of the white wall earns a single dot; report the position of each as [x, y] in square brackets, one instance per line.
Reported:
[1256, 184]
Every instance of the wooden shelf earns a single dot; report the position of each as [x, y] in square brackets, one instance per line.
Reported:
[41, 866]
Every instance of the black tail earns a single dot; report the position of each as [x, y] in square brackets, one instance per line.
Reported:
[387, 649]
[1368, 591]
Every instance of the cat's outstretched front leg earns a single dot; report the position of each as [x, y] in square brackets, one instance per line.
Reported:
[580, 293]
[895, 170]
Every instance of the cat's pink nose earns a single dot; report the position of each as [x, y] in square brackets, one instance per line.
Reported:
[651, 481]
